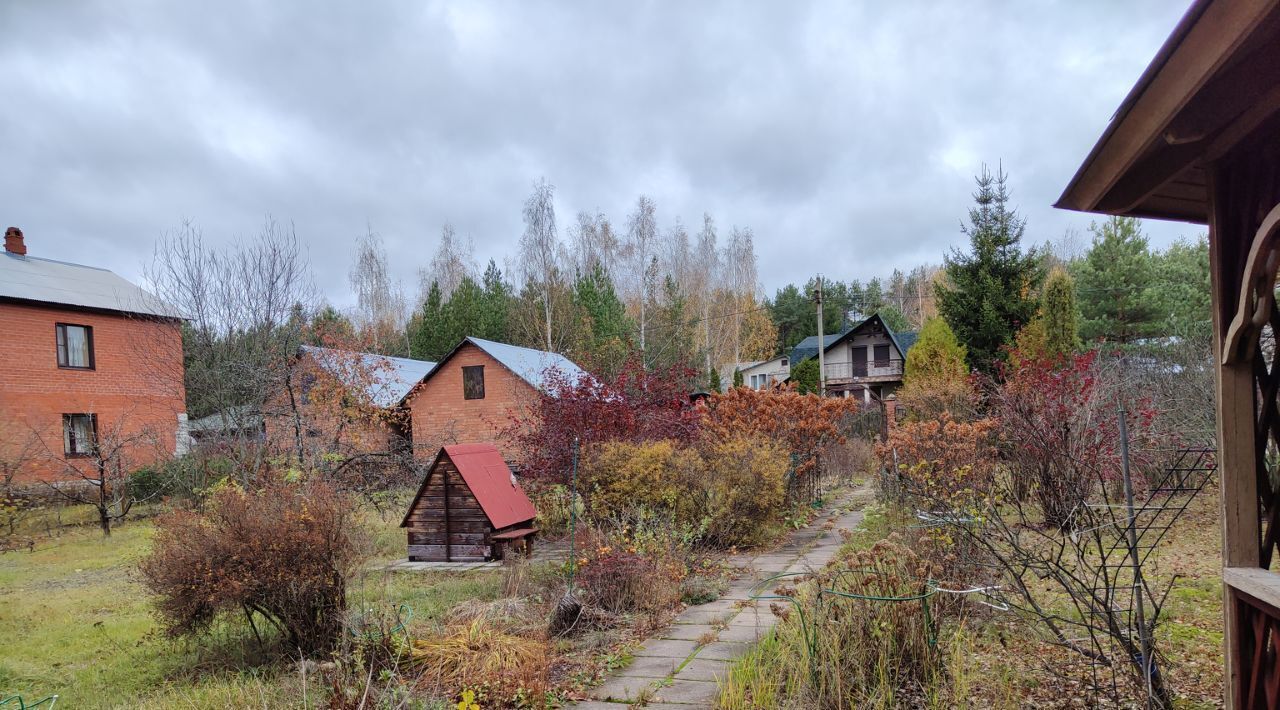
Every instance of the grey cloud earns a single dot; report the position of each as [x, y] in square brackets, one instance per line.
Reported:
[844, 134]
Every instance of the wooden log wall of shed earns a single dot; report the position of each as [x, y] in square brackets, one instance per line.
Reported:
[447, 522]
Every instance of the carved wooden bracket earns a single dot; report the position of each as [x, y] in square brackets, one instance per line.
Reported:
[1257, 292]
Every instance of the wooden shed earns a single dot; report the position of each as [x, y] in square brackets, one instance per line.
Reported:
[469, 508]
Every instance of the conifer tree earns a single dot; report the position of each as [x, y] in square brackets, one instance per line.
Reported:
[713, 381]
[1058, 313]
[937, 355]
[1117, 301]
[805, 376]
[427, 328]
[738, 379]
[989, 291]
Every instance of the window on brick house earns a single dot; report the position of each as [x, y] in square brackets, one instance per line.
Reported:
[75, 346]
[473, 382]
[79, 434]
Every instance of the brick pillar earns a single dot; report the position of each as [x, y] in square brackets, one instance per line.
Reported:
[889, 406]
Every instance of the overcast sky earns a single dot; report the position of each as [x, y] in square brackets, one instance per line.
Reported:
[845, 134]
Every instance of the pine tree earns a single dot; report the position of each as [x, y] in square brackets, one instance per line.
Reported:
[1116, 278]
[496, 319]
[605, 340]
[1182, 288]
[989, 293]
[427, 330]
[1058, 314]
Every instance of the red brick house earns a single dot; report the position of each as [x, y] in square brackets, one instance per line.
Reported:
[88, 357]
[472, 394]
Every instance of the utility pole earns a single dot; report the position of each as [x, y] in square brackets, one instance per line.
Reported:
[822, 359]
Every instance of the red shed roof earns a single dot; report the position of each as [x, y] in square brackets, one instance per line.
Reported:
[491, 482]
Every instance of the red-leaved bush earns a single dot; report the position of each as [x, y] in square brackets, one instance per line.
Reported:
[1060, 429]
[637, 405]
[283, 552]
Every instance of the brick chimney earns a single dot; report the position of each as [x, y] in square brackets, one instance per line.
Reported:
[13, 242]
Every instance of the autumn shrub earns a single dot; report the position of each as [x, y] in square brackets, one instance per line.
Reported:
[743, 490]
[805, 425]
[721, 493]
[1059, 425]
[625, 581]
[617, 477]
[636, 405]
[554, 503]
[943, 461]
[279, 557]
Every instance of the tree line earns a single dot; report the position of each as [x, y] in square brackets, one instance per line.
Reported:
[600, 295]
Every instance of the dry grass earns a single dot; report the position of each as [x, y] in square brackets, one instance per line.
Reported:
[479, 656]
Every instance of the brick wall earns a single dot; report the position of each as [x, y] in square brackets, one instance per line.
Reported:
[136, 388]
[442, 416]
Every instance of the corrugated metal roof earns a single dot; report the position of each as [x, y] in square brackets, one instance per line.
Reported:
[31, 278]
[529, 364]
[392, 377]
[491, 482]
[808, 347]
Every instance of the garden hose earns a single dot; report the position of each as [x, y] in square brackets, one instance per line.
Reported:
[16, 701]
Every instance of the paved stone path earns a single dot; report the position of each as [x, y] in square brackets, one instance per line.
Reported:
[681, 667]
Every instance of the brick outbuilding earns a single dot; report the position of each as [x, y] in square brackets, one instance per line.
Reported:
[474, 392]
[88, 357]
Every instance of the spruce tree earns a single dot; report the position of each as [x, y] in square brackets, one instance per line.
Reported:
[738, 379]
[989, 295]
[713, 381]
[1117, 300]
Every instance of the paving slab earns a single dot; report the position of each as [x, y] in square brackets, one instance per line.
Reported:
[674, 671]
[622, 688]
[667, 648]
[650, 667]
[703, 617]
[703, 669]
[685, 632]
[723, 650]
[689, 692]
[749, 634]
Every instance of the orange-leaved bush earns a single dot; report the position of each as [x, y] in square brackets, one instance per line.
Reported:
[942, 459]
[283, 552]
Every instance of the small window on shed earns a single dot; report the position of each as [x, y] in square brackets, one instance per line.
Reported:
[473, 382]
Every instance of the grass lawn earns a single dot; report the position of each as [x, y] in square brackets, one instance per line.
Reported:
[73, 621]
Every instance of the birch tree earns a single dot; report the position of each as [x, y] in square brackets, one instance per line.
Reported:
[540, 250]
[453, 261]
[640, 250]
[380, 303]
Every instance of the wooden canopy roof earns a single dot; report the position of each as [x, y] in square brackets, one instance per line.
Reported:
[1214, 85]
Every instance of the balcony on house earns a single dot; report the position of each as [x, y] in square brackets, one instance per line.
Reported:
[869, 371]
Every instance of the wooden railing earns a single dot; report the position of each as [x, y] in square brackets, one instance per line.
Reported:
[843, 371]
[1254, 596]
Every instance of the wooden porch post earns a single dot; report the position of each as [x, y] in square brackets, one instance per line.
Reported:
[1241, 524]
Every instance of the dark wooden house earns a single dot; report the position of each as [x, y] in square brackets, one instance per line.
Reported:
[469, 508]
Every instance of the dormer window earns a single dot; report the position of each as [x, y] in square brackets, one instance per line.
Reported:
[75, 346]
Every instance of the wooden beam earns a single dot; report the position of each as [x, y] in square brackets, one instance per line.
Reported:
[1235, 387]
[1210, 43]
